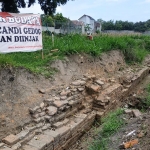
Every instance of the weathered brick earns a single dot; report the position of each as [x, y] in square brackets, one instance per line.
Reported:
[51, 110]
[63, 130]
[65, 93]
[58, 124]
[29, 147]
[60, 103]
[6, 148]
[52, 133]
[78, 82]
[11, 139]
[136, 113]
[22, 134]
[99, 82]
[16, 146]
[41, 142]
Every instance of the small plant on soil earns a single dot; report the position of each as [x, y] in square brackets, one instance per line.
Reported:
[110, 125]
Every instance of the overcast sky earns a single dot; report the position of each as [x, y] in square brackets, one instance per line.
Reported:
[130, 10]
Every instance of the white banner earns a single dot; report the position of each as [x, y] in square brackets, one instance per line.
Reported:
[20, 32]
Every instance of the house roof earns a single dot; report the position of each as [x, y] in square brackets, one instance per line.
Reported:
[87, 16]
[76, 22]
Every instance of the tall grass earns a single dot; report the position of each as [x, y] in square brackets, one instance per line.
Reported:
[134, 47]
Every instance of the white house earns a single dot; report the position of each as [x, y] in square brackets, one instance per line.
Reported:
[88, 20]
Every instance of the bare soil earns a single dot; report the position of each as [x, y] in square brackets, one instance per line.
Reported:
[19, 89]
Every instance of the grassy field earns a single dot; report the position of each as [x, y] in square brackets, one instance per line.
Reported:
[134, 47]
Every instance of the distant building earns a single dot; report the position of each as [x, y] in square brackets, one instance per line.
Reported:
[88, 20]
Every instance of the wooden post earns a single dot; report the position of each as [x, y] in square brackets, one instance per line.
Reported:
[53, 39]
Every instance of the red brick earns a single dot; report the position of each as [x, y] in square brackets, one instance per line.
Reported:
[11, 139]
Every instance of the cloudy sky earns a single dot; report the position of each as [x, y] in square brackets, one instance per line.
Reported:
[130, 10]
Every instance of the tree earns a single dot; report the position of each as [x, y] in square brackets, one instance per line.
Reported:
[48, 6]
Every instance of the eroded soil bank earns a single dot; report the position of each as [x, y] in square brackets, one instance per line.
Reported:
[63, 107]
[19, 89]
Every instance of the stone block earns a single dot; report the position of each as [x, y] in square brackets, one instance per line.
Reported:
[54, 134]
[81, 89]
[17, 146]
[99, 82]
[57, 124]
[78, 82]
[128, 111]
[51, 110]
[59, 104]
[2, 144]
[65, 93]
[29, 147]
[22, 134]
[42, 114]
[41, 141]
[11, 139]
[63, 130]
[136, 113]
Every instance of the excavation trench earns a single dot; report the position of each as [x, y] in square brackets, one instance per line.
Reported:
[65, 113]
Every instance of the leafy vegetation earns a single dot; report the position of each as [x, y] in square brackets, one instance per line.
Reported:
[110, 125]
[49, 7]
[134, 47]
[125, 25]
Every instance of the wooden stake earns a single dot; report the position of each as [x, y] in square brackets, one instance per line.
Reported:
[53, 39]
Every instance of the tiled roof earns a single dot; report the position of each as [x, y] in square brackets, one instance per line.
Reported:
[88, 16]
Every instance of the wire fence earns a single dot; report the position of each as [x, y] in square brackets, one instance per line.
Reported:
[60, 27]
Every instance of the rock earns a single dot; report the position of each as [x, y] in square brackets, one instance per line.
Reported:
[23, 134]
[94, 88]
[35, 116]
[65, 93]
[136, 113]
[42, 105]
[59, 104]
[63, 97]
[42, 114]
[81, 89]
[102, 99]
[2, 144]
[48, 101]
[16, 146]
[99, 82]
[42, 91]
[57, 98]
[128, 111]
[33, 110]
[78, 82]
[51, 110]
[37, 120]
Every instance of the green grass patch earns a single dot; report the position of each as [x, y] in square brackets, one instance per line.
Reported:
[134, 47]
[110, 125]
